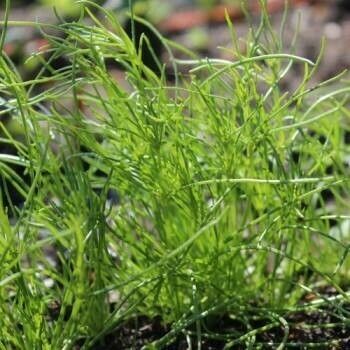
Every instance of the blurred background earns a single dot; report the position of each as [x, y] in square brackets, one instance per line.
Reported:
[200, 25]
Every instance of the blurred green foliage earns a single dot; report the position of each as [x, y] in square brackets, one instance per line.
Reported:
[69, 7]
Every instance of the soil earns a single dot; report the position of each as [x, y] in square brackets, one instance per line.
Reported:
[323, 327]
[304, 332]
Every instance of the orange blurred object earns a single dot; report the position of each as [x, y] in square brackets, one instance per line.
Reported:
[191, 18]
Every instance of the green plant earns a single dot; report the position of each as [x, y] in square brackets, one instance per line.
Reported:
[221, 178]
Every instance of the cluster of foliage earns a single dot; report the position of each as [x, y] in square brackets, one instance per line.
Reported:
[230, 194]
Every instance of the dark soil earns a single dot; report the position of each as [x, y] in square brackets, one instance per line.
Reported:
[304, 332]
[319, 327]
